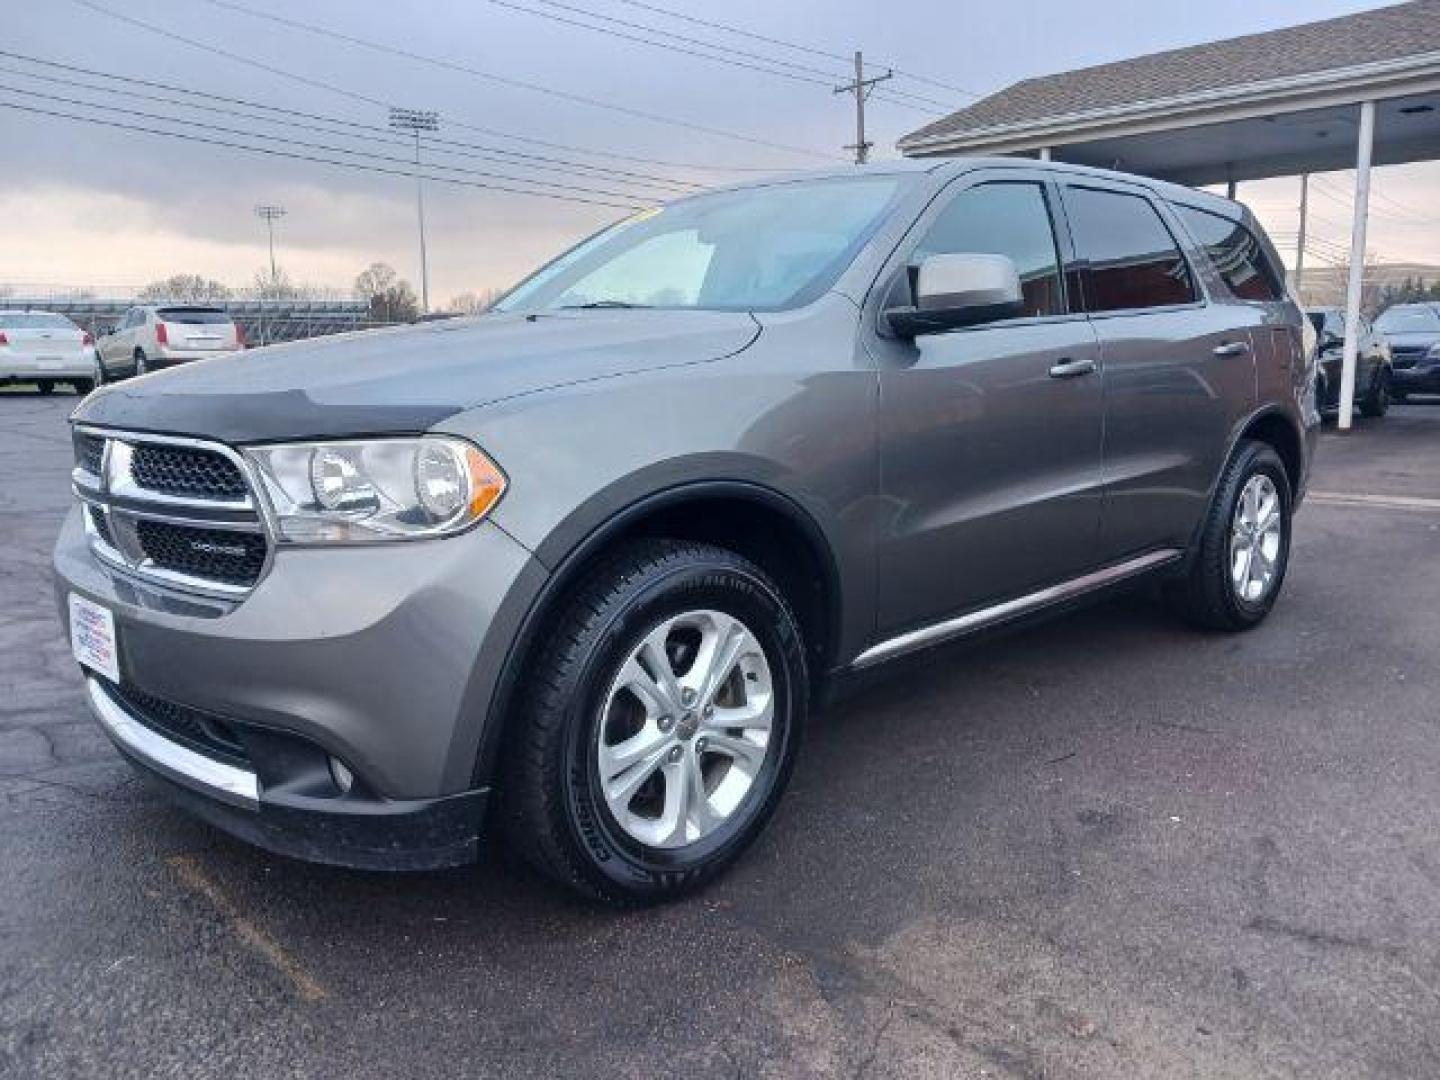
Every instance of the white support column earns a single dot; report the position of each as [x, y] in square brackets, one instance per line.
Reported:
[1365, 146]
[1300, 237]
[1044, 153]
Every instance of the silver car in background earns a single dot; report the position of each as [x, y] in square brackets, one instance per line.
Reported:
[46, 349]
[160, 336]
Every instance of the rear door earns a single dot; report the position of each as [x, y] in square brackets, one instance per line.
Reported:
[990, 436]
[1178, 369]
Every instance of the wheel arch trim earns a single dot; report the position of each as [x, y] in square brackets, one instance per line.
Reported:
[563, 570]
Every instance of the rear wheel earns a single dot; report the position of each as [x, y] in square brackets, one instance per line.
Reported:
[142, 362]
[1244, 549]
[82, 386]
[45, 386]
[663, 726]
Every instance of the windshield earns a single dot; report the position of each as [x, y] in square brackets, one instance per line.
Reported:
[1408, 320]
[35, 320]
[759, 249]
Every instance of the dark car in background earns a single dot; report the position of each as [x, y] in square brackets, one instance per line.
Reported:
[1373, 375]
[1413, 333]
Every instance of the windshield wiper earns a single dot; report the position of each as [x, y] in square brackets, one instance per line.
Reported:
[601, 304]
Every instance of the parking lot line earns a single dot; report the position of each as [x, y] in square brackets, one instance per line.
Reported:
[1383, 502]
[190, 874]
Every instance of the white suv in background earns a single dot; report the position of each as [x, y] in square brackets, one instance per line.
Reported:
[150, 338]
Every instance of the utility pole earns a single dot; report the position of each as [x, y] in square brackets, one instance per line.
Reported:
[861, 88]
[416, 121]
[1300, 238]
[269, 214]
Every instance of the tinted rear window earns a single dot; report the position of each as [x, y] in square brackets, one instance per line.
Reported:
[1133, 261]
[1237, 254]
[192, 315]
[35, 320]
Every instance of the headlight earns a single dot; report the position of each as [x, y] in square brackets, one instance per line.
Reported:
[366, 490]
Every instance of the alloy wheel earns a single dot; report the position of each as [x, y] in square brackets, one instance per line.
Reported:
[685, 729]
[1255, 539]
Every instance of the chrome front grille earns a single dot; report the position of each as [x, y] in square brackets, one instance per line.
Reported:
[172, 510]
[187, 471]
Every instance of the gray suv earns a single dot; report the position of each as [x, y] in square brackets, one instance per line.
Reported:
[581, 565]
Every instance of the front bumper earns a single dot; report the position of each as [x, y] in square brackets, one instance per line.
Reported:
[307, 818]
[384, 657]
[1423, 378]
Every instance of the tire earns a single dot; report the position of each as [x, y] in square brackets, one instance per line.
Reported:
[630, 848]
[1209, 595]
[45, 386]
[1399, 397]
[1377, 401]
[142, 363]
[83, 386]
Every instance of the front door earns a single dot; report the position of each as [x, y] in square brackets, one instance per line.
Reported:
[990, 436]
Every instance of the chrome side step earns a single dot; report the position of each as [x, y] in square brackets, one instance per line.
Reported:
[1022, 605]
[170, 759]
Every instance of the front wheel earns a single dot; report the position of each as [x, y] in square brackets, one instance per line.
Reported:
[1377, 401]
[1239, 563]
[666, 712]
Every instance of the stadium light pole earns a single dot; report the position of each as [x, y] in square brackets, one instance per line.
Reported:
[415, 121]
[269, 214]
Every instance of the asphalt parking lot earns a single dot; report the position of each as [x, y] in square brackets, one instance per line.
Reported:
[1108, 847]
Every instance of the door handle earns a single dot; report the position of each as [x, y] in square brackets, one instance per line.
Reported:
[1068, 369]
[1232, 348]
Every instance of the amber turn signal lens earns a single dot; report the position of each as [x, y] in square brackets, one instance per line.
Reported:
[487, 482]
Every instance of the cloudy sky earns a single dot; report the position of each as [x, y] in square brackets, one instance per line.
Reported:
[85, 204]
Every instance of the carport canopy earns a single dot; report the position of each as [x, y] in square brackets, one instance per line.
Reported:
[1344, 93]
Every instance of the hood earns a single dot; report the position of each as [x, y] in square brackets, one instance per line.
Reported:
[409, 378]
[1413, 340]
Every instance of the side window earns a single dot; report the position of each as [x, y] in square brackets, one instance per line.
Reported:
[1130, 258]
[1004, 218]
[1236, 253]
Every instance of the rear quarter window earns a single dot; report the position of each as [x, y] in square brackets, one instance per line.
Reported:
[1236, 253]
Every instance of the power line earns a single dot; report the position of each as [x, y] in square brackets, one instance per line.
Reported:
[273, 152]
[360, 131]
[768, 65]
[729, 29]
[439, 62]
[325, 147]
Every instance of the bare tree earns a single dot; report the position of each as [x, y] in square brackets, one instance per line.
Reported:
[391, 297]
[275, 286]
[472, 303]
[188, 287]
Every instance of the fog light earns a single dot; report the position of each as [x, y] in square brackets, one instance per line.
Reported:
[341, 774]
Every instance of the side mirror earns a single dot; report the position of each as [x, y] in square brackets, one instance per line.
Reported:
[952, 291]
